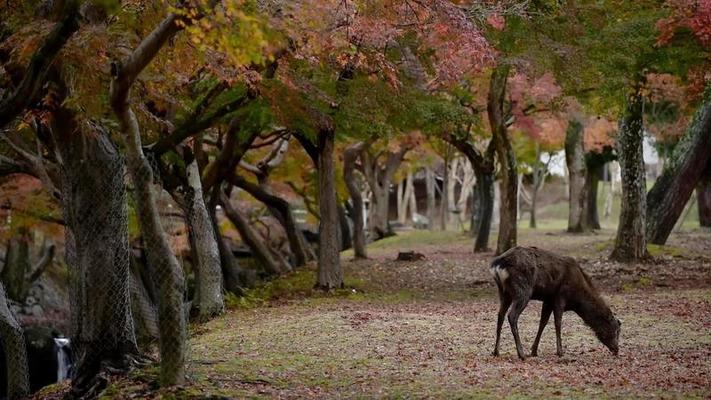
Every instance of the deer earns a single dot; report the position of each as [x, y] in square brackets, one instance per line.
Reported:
[529, 273]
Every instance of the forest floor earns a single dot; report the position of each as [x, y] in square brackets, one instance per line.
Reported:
[425, 329]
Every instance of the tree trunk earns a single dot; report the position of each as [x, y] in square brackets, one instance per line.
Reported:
[412, 199]
[97, 252]
[444, 202]
[575, 161]
[232, 274]
[350, 155]
[485, 210]
[507, 159]
[255, 243]
[452, 212]
[630, 244]
[281, 209]
[330, 274]
[682, 172]
[210, 301]
[431, 204]
[345, 229]
[142, 306]
[592, 181]
[13, 342]
[703, 196]
[16, 270]
[169, 274]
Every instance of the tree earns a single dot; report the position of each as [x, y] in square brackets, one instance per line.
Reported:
[13, 342]
[350, 157]
[630, 243]
[682, 174]
[577, 171]
[703, 195]
[506, 157]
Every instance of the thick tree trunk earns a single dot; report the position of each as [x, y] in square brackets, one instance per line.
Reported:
[507, 159]
[485, 210]
[350, 155]
[592, 182]
[210, 301]
[255, 243]
[379, 179]
[630, 244]
[575, 161]
[169, 274]
[431, 204]
[329, 274]
[682, 172]
[13, 342]
[703, 196]
[97, 252]
[142, 306]
[405, 199]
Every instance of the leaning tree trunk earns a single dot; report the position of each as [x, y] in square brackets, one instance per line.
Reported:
[97, 252]
[507, 159]
[232, 274]
[703, 196]
[630, 244]
[484, 211]
[282, 211]
[13, 342]
[210, 301]
[682, 172]
[259, 249]
[329, 274]
[575, 161]
[350, 155]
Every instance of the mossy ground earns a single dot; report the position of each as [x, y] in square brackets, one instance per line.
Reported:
[425, 329]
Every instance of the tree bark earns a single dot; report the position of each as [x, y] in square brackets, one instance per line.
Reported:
[682, 172]
[350, 155]
[507, 159]
[259, 249]
[431, 204]
[592, 182]
[485, 210]
[210, 301]
[16, 270]
[97, 252]
[170, 280]
[329, 274]
[630, 243]
[703, 196]
[13, 342]
[575, 161]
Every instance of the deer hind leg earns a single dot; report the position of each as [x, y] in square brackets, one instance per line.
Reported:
[558, 308]
[545, 316]
[505, 303]
[517, 308]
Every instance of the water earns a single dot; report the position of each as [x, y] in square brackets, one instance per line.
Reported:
[64, 358]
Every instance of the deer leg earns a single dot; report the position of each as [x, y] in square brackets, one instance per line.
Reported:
[545, 316]
[558, 309]
[505, 302]
[518, 306]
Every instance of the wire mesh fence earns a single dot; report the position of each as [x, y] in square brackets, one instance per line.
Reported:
[12, 344]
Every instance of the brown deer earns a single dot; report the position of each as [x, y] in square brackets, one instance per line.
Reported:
[525, 273]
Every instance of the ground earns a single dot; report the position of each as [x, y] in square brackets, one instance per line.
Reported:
[425, 329]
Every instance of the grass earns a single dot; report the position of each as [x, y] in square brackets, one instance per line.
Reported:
[425, 329]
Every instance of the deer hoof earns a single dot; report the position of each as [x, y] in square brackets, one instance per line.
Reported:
[495, 353]
[559, 353]
[534, 353]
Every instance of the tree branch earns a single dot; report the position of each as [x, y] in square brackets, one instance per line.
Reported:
[39, 66]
